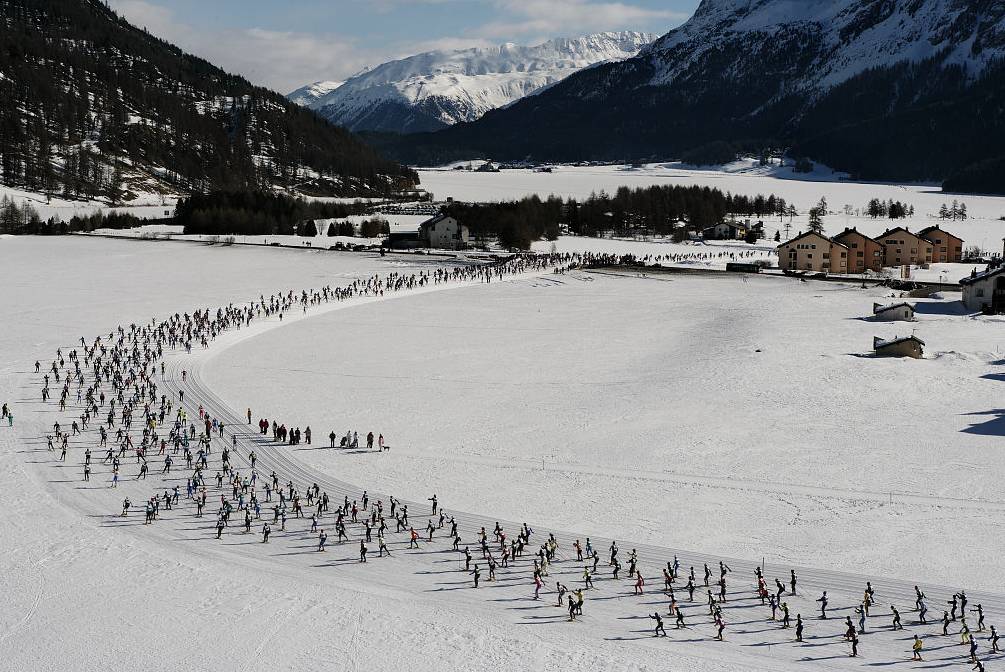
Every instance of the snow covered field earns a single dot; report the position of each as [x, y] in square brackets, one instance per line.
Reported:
[725, 416]
[984, 226]
[712, 254]
[646, 409]
[322, 240]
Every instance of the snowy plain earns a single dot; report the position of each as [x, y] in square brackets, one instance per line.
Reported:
[983, 228]
[682, 435]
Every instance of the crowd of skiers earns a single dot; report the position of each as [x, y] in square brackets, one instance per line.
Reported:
[132, 407]
[294, 437]
[607, 259]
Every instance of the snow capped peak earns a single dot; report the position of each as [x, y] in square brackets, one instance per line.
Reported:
[439, 88]
[841, 37]
[306, 95]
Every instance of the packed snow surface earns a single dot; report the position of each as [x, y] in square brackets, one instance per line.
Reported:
[649, 407]
[732, 416]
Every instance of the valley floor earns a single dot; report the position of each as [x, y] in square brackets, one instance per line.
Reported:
[711, 417]
[984, 226]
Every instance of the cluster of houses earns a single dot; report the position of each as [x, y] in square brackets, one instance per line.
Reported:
[982, 292]
[853, 252]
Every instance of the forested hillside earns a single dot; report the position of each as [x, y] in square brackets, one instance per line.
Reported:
[892, 90]
[94, 107]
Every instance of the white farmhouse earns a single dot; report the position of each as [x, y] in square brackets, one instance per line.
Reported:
[893, 313]
[725, 231]
[444, 232]
[985, 292]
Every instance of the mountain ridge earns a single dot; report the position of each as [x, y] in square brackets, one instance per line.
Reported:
[306, 95]
[436, 89]
[882, 89]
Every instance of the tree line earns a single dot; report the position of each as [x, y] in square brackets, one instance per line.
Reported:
[515, 224]
[956, 211]
[254, 213]
[368, 228]
[658, 210]
[890, 208]
[23, 219]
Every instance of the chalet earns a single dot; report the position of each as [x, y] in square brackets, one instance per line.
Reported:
[864, 253]
[893, 313]
[985, 292]
[725, 231]
[901, 247]
[904, 346]
[813, 252]
[444, 232]
[947, 248]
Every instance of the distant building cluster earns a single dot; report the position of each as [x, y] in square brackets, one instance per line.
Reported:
[853, 252]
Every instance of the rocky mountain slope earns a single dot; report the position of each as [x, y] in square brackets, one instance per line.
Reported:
[436, 89]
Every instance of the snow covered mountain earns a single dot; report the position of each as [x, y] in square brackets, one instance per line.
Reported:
[436, 89]
[891, 89]
[823, 43]
[307, 96]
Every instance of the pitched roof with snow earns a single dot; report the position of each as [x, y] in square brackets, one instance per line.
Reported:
[929, 229]
[878, 342]
[895, 229]
[876, 309]
[849, 231]
[813, 233]
[983, 275]
[435, 219]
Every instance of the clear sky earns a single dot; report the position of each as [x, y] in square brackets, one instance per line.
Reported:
[284, 44]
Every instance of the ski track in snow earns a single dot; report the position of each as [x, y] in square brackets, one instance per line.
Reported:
[470, 523]
[611, 617]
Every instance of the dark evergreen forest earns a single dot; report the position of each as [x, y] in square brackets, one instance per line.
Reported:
[93, 107]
